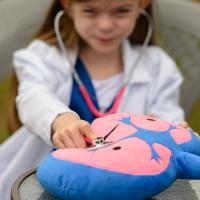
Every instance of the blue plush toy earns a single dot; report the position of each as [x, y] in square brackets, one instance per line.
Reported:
[142, 157]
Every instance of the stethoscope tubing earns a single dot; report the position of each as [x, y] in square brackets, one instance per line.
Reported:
[126, 79]
[93, 109]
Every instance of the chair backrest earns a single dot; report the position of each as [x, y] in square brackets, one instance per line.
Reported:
[19, 19]
[178, 31]
[27, 187]
[15, 190]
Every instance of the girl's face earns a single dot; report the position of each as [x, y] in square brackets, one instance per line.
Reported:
[102, 25]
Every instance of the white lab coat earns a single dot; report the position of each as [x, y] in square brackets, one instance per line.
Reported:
[45, 87]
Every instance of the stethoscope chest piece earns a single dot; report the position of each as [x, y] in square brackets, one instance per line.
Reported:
[99, 143]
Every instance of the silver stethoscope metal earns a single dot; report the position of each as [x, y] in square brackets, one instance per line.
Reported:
[82, 87]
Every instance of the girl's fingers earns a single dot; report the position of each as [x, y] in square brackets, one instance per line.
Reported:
[66, 140]
[184, 124]
[87, 130]
[73, 136]
[78, 140]
[57, 142]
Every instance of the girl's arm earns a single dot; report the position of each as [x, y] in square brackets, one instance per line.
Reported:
[40, 101]
[165, 90]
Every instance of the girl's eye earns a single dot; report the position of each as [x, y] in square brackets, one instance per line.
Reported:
[123, 11]
[89, 11]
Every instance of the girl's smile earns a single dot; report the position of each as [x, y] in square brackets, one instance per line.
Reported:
[106, 40]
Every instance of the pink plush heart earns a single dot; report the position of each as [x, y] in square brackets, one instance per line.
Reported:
[130, 155]
[121, 157]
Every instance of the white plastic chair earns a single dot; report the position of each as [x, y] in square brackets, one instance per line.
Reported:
[19, 19]
[178, 30]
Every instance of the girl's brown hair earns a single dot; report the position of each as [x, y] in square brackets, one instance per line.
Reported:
[69, 35]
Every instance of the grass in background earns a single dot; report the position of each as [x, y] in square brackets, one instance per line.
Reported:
[4, 88]
[194, 118]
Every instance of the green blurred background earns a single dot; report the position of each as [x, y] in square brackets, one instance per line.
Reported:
[4, 90]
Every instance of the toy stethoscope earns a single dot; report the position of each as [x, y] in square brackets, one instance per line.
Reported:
[82, 87]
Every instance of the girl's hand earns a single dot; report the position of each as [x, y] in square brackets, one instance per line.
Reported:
[69, 131]
[184, 124]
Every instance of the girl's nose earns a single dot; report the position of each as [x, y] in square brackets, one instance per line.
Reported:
[106, 23]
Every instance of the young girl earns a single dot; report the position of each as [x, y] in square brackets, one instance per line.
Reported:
[102, 45]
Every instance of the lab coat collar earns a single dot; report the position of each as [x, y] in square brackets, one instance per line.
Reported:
[62, 62]
[129, 53]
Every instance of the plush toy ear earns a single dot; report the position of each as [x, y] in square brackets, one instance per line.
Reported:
[188, 165]
[145, 3]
